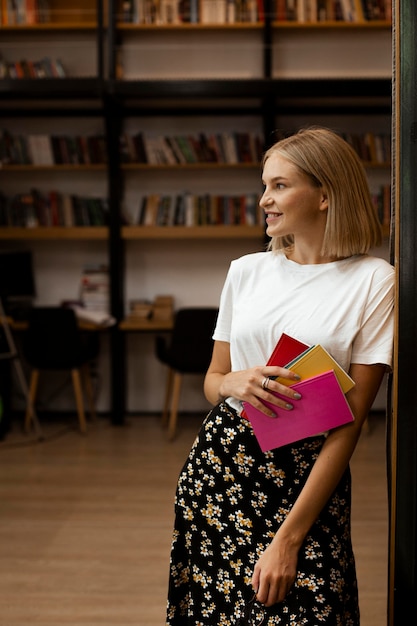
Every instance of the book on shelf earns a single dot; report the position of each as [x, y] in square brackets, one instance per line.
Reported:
[35, 209]
[187, 209]
[40, 150]
[334, 10]
[322, 407]
[49, 150]
[226, 147]
[24, 68]
[213, 11]
[382, 203]
[126, 11]
[371, 147]
[160, 12]
[24, 12]
[14, 150]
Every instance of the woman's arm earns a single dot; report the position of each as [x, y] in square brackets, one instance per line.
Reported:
[275, 571]
[220, 382]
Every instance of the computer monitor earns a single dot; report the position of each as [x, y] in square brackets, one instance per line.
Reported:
[17, 280]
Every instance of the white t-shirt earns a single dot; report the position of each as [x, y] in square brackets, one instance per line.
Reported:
[346, 306]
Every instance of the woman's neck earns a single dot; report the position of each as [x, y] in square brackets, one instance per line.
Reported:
[307, 255]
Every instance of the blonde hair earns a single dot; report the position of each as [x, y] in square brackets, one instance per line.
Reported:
[352, 225]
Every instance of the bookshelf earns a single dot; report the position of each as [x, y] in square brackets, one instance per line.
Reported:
[171, 77]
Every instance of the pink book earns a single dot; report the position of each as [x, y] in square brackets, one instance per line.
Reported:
[323, 406]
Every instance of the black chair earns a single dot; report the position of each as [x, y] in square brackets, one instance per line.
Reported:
[54, 341]
[188, 351]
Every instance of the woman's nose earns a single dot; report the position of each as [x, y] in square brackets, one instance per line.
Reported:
[265, 199]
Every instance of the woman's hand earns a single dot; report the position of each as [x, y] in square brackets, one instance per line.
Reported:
[275, 571]
[252, 385]
[256, 384]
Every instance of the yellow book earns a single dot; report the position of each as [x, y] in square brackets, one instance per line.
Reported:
[316, 360]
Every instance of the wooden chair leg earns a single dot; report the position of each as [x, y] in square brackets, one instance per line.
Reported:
[168, 393]
[89, 391]
[76, 381]
[176, 391]
[33, 387]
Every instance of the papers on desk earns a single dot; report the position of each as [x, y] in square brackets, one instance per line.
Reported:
[99, 318]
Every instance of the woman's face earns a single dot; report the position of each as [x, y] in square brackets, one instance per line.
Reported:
[293, 205]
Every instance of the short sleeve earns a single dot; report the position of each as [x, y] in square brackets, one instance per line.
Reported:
[222, 331]
[374, 341]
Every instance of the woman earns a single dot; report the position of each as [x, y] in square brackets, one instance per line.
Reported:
[278, 523]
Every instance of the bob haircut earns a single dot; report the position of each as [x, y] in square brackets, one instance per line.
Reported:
[352, 225]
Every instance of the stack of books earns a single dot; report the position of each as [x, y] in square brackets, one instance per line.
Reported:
[323, 404]
[162, 308]
[140, 309]
[94, 288]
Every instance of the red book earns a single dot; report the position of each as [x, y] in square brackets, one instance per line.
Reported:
[323, 406]
[30, 12]
[286, 350]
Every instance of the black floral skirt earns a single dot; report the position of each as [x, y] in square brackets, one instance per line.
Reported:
[230, 501]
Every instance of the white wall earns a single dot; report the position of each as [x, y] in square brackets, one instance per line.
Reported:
[192, 271]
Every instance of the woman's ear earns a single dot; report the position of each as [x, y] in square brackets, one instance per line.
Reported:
[324, 203]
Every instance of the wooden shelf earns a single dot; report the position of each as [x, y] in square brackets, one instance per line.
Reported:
[50, 88]
[290, 25]
[186, 166]
[19, 325]
[189, 27]
[365, 24]
[193, 232]
[376, 165]
[202, 166]
[65, 167]
[218, 88]
[49, 26]
[54, 232]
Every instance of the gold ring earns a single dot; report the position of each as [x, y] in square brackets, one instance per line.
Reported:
[265, 383]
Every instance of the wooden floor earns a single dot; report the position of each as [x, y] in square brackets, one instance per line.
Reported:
[85, 523]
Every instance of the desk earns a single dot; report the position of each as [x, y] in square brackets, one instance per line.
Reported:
[129, 324]
[118, 352]
[138, 324]
[20, 325]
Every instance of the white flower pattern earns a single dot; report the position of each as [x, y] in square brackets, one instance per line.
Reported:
[231, 499]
